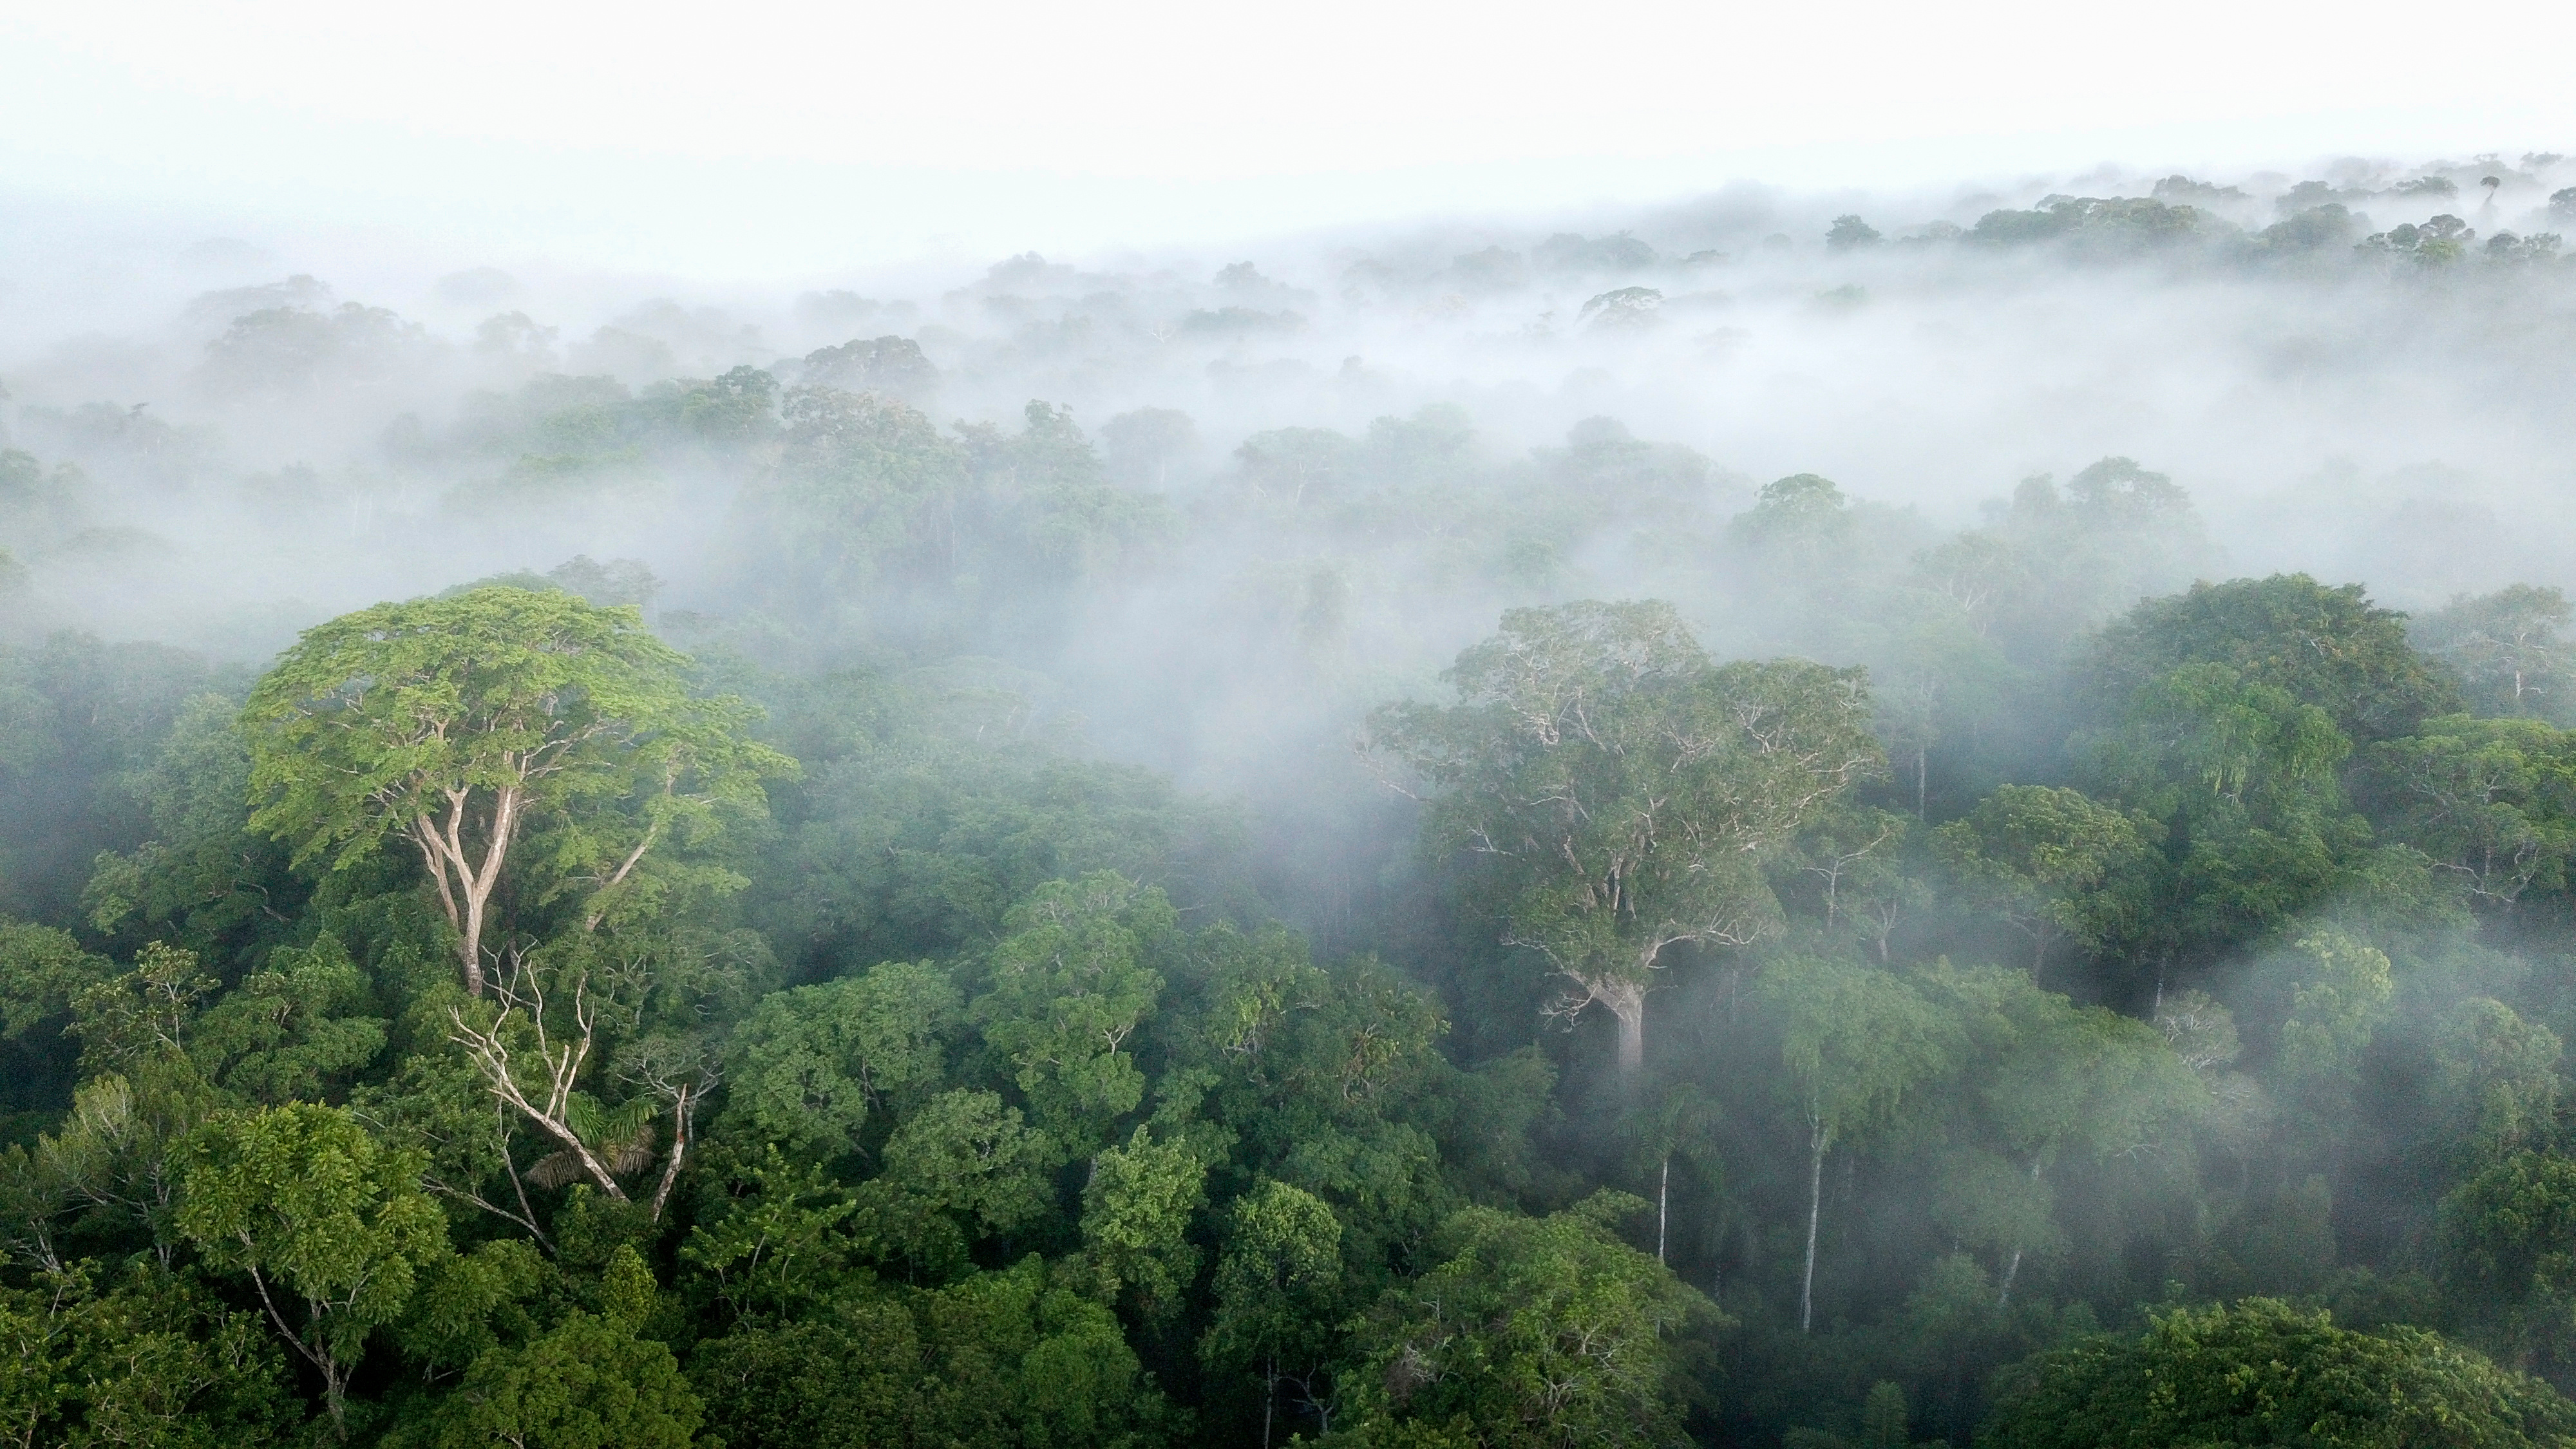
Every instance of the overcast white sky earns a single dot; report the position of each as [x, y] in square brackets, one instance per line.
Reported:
[704, 137]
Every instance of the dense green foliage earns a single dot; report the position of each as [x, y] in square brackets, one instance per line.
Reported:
[2265, 1373]
[1682, 962]
[953, 1128]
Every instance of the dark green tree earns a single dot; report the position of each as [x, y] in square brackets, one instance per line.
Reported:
[1850, 232]
[2327, 646]
[1067, 990]
[1279, 1295]
[1529, 1331]
[2052, 863]
[808, 1066]
[2263, 1372]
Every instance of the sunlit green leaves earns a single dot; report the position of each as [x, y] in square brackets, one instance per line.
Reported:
[332, 1229]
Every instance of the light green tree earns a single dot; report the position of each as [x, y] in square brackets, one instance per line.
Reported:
[330, 1228]
[2508, 647]
[121, 1147]
[1852, 857]
[148, 1358]
[2495, 1075]
[2058, 1080]
[461, 725]
[1991, 1204]
[1884, 1420]
[41, 970]
[2492, 801]
[2344, 992]
[1136, 1219]
[117, 1151]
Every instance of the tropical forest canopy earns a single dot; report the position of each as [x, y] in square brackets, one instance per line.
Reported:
[1782, 823]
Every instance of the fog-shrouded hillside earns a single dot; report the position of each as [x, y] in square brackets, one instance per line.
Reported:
[1818, 818]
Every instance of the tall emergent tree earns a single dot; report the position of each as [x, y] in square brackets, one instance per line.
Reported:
[463, 724]
[1626, 790]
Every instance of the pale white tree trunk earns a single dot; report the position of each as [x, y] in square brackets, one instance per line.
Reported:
[1663, 1205]
[1818, 1141]
[465, 885]
[2012, 1269]
[1632, 1042]
[1627, 1003]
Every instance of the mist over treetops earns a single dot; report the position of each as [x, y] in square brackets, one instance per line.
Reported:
[1838, 820]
